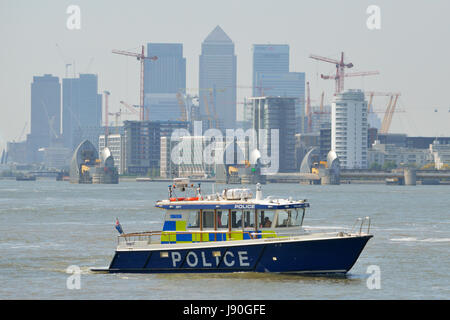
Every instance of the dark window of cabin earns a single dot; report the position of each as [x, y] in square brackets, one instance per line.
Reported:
[265, 218]
[236, 219]
[249, 219]
[208, 219]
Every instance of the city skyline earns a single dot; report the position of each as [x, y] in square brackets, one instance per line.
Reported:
[408, 49]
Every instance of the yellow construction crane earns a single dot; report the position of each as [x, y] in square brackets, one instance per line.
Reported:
[182, 105]
[207, 111]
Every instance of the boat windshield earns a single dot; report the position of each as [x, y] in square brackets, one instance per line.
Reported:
[289, 218]
[265, 218]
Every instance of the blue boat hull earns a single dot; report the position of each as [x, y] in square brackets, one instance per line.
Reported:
[336, 255]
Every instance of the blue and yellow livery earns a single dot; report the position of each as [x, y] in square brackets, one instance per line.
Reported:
[233, 231]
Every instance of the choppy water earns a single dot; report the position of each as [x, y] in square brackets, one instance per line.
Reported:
[47, 226]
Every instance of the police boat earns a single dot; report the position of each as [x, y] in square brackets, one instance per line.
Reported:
[233, 231]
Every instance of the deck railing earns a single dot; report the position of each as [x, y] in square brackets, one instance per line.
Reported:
[360, 222]
[150, 237]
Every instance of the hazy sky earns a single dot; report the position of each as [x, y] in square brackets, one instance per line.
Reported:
[411, 50]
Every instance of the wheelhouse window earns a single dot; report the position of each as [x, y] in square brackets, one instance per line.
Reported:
[222, 219]
[194, 219]
[265, 218]
[236, 219]
[249, 219]
[289, 218]
[208, 219]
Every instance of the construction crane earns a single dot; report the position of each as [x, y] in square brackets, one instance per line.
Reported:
[389, 113]
[117, 116]
[208, 114]
[340, 67]
[21, 133]
[133, 110]
[51, 120]
[353, 74]
[140, 57]
[371, 94]
[212, 95]
[182, 105]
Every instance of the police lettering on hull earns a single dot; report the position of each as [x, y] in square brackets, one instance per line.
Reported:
[210, 259]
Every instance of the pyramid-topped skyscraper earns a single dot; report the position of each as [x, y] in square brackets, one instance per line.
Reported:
[217, 80]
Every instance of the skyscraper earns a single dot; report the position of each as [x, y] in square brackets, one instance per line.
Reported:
[217, 79]
[167, 74]
[271, 76]
[45, 113]
[349, 129]
[82, 107]
[270, 58]
[163, 79]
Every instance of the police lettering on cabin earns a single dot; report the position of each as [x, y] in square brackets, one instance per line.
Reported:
[244, 206]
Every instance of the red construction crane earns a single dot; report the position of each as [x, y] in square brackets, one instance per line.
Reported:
[340, 66]
[353, 74]
[141, 57]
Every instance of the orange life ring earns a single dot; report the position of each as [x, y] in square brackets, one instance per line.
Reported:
[192, 199]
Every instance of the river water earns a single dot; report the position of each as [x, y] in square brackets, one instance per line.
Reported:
[47, 226]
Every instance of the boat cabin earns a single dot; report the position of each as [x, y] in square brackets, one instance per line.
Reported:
[233, 215]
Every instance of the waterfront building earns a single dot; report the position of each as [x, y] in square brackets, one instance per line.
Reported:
[45, 114]
[380, 154]
[205, 153]
[372, 134]
[324, 142]
[163, 107]
[217, 80]
[276, 113]
[142, 144]
[424, 142]
[399, 139]
[116, 145]
[320, 118]
[82, 109]
[349, 129]
[57, 157]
